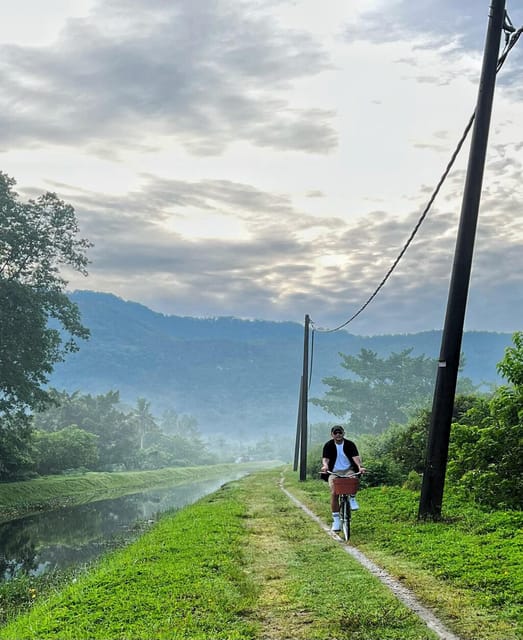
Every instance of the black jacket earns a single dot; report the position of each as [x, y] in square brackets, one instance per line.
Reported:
[330, 452]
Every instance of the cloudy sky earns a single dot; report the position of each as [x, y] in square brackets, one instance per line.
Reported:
[269, 158]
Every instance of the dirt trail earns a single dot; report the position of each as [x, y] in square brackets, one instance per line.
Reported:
[403, 594]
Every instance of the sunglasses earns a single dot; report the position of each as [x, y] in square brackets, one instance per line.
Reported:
[337, 432]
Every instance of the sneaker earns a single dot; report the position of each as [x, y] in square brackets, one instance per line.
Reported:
[336, 523]
[353, 504]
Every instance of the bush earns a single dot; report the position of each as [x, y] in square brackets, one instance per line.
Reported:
[485, 463]
[64, 449]
[314, 461]
[381, 471]
[413, 481]
[485, 447]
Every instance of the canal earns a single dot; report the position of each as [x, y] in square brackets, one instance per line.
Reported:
[72, 536]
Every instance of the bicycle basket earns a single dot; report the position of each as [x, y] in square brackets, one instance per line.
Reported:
[346, 486]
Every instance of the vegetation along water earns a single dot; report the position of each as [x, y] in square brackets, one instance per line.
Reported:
[246, 563]
[53, 540]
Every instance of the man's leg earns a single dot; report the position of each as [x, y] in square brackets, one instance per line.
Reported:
[335, 508]
[335, 502]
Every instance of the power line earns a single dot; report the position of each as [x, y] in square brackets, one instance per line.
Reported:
[511, 37]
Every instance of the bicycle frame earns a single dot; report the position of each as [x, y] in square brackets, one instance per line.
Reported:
[344, 487]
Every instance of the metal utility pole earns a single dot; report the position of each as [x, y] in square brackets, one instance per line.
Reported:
[304, 400]
[443, 403]
[298, 431]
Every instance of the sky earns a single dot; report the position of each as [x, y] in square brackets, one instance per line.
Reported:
[269, 159]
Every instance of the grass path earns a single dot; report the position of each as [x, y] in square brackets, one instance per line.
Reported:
[307, 586]
[466, 568]
[242, 564]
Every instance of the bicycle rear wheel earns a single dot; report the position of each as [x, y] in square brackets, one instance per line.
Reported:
[345, 515]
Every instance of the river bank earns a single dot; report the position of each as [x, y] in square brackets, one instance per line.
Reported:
[50, 492]
[246, 563]
[240, 564]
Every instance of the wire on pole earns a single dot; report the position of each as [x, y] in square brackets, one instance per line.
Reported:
[511, 37]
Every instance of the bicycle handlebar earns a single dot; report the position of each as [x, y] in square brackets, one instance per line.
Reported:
[352, 475]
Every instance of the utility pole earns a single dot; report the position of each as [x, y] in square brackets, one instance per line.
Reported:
[298, 431]
[443, 403]
[304, 400]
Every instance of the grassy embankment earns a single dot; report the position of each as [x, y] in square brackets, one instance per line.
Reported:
[245, 563]
[21, 498]
[468, 568]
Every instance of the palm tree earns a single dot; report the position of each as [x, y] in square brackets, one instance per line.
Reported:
[146, 423]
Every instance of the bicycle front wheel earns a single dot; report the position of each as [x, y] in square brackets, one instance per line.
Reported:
[345, 515]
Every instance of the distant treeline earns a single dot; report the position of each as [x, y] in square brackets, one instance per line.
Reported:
[234, 376]
[97, 433]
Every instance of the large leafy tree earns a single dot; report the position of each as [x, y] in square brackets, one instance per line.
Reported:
[39, 325]
[118, 436]
[380, 391]
[67, 448]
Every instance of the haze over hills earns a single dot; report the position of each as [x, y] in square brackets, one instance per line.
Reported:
[237, 377]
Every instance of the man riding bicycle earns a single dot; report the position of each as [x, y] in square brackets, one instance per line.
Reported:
[340, 456]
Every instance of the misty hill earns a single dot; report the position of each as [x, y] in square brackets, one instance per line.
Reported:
[235, 376]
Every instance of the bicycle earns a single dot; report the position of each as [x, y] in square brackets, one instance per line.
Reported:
[344, 488]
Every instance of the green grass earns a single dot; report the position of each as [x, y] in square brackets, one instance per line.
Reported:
[183, 577]
[308, 587]
[468, 567]
[48, 492]
[244, 563]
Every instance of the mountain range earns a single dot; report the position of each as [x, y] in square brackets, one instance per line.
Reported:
[234, 376]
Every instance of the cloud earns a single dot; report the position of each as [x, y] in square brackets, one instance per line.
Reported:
[168, 126]
[437, 22]
[205, 74]
[274, 272]
[453, 29]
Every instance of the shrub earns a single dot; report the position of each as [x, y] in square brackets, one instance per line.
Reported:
[413, 481]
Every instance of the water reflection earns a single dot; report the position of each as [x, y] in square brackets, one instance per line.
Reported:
[74, 535]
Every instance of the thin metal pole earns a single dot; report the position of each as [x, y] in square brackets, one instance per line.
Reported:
[431, 498]
[304, 401]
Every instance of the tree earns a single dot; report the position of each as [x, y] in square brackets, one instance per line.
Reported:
[485, 448]
[67, 448]
[117, 432]
[145, 420]
[37, 239]
[130, 440]
[15, 447]
[387, 391]
[175, 423]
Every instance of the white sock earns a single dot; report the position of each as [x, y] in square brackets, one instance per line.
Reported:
[336, 515]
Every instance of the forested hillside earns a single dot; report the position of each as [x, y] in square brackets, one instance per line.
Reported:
[233, 375]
